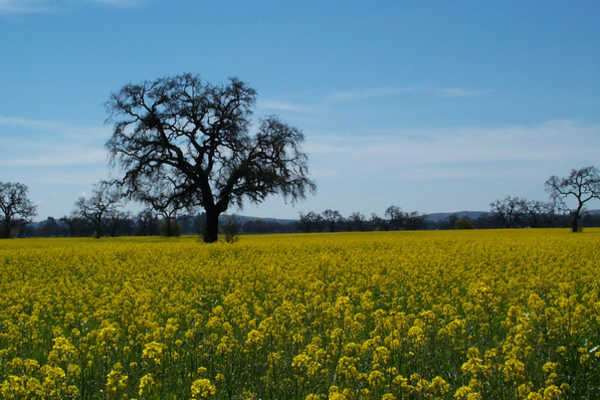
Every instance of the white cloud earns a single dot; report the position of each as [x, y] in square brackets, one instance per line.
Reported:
[65, 129]
[22, 6]
[459, 92]
[118, 3]
[40, 6]
[366, 93]
[50, 144]
[283, 106]
[360, 94]
[429, 154]
[345, 96]
[55, 156]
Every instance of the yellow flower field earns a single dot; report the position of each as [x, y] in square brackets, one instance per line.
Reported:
[501, 314]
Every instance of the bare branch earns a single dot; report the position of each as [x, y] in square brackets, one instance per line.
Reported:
[180, 142]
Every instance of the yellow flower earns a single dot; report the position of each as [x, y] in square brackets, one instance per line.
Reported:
[203, 389]
[147, 385]
[376, 378]
[153, 352]
[552, 392]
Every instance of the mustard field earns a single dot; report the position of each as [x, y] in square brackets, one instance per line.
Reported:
[499, 314]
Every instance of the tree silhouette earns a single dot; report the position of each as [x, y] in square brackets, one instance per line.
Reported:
[509, 211]
[582, 184]
[198, 134]
[15, 207]
[99, 208]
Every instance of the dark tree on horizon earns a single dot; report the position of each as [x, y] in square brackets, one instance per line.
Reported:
[509, 211]
[199, 134]
[332, 218]
[357, 221]
[396, 218]
[583, 184]
[147, 222]
[15, 207]
[99, 209]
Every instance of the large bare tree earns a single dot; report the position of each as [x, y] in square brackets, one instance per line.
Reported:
[582, 184]
[15, 207]
[199, 134]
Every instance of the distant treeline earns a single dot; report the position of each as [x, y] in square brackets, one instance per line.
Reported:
[511, 212]
[144, 224]
[102, 214]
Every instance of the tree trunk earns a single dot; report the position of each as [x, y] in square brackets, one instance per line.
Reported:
[98, 228]
[576, 222]
[211, 231]
[5, 231]
[168, 232]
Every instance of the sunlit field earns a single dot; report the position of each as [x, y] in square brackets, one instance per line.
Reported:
[501, 314]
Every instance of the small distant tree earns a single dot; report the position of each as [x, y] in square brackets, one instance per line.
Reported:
[231, 229]
[463, 223]
[414, 221]
[76, 225]
[99, 207]
[311, 222]
[538, 213]
[119, 223]
[450, 222]
[147, 222]
[509, 211]
[582, 184]
[15, 207]
[333, 219]
[160, 195]
[357, 221]
[395, 217]
[50, 227]
[376, 222]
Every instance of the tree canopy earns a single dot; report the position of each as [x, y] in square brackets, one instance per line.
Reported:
[15, 207]
[200, 136]
[582, 184]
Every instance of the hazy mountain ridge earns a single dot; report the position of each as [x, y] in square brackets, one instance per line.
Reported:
[431, 217]
[441, 216]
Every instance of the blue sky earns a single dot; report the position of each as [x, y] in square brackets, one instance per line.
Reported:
[439, 107]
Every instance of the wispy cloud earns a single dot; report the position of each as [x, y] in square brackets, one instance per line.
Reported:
[284, 106]
[345, 96]
[459, 92]
[459, 153]
[48, 144]
[65, 129]
[366, 93]
[58, 157]
[42, 6]
[23, 6]
[118, 3]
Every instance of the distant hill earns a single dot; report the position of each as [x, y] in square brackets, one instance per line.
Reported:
[432, 217]
[437, 217]
[244, 218]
